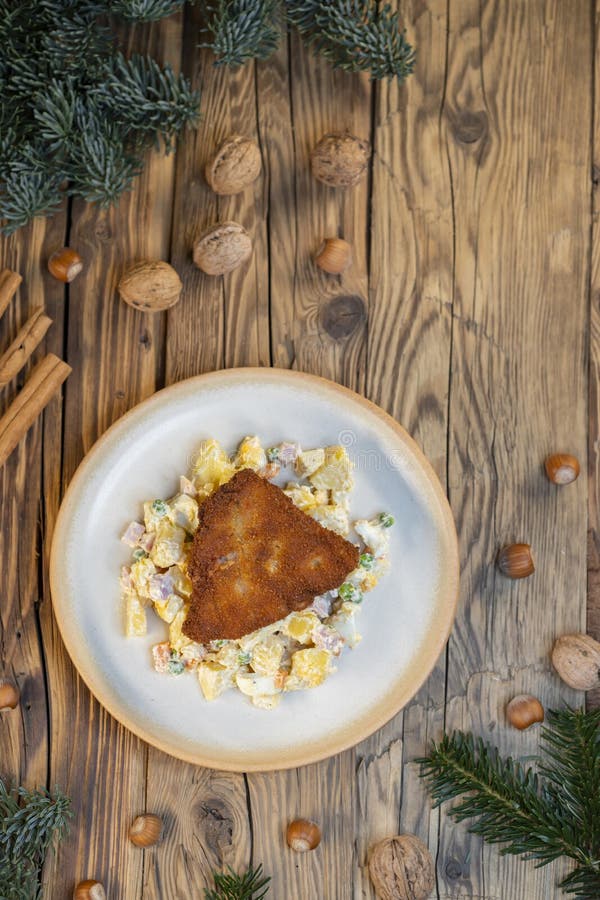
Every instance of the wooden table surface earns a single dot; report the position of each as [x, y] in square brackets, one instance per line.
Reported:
[471, 314]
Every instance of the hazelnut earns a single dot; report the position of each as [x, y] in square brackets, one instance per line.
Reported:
[65, 264]
[9, 695]
[561, 468]
[334, 256]
[516, 561]
[146, 830]
[303, 835]
[340, 160]
[222, 248]
[524, 710]
[236, 164]
[89, 890]
[401, 868]
[576, 658]
[150, 286]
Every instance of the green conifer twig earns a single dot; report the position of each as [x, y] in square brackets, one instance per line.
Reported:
[540, 815]
[30, 822]
[252, 885]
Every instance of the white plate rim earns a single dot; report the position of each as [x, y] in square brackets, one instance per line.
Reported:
[446, 597]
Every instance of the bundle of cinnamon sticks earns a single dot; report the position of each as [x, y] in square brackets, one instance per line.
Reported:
[43, 382]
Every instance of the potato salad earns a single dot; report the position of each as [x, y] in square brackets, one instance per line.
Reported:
[293, 654]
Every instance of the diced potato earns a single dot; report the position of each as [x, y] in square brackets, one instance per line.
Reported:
[308, 461]
[192, 653]
[135, 616]
[181, 582]
[248, 641]
[183, 511]
[304, 497]
[154, 513]
[310, 667]
[300, 626]
[141, 572]
[340, 498]
[213, 678]
[375, 535]
[254, 685]
[168, 609]
[229, 655]
[168, 546]
[212, 465]
[266, 656]
[250, 455]
[333, 517]
[177, 639]
[335, 473]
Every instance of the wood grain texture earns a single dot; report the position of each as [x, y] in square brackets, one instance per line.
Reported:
[512, 130]
[24, 731]
[318, 325]
[410, 313]
[115, 353]
[464, 315]
[593, 581]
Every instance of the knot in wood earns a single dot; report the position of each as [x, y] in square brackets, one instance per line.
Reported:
[341, 316]
[453, 869]
[470, 127]
[216, 825]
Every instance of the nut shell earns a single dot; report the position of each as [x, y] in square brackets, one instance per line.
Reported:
[576, 658]
[65, 264]
[236, 164]
[303, 835]
[150, 286]
[524, 710]
[146, 830]
[516, 561]
[401, 868]
[9, 695]
[222, 248]
[89, 890]
[334, 256]
[561, 468]
[340, 160]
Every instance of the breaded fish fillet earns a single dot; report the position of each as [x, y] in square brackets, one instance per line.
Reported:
[256, 558]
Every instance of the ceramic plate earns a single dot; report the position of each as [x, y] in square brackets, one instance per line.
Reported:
[405, 621]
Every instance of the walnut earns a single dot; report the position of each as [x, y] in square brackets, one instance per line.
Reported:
[150, 285]
[340, 160]
[222, 248]
[236, 164]
[576, 658]
[401, 868]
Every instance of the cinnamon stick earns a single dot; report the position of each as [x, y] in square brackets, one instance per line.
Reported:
[9, 282]
[39, 389]
[28, 338]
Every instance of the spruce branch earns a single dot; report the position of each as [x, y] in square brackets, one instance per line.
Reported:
[241, 30]
[145, 10]
[76, 116]
[30, 823]
[252, 885]
[355, 35]
[539, 815]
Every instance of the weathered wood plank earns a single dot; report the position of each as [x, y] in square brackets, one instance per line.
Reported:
[410, 283]
[311, 331]
[115, 354]
[593, 583]
[517, 117]
[24, 732]
[220, 322]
